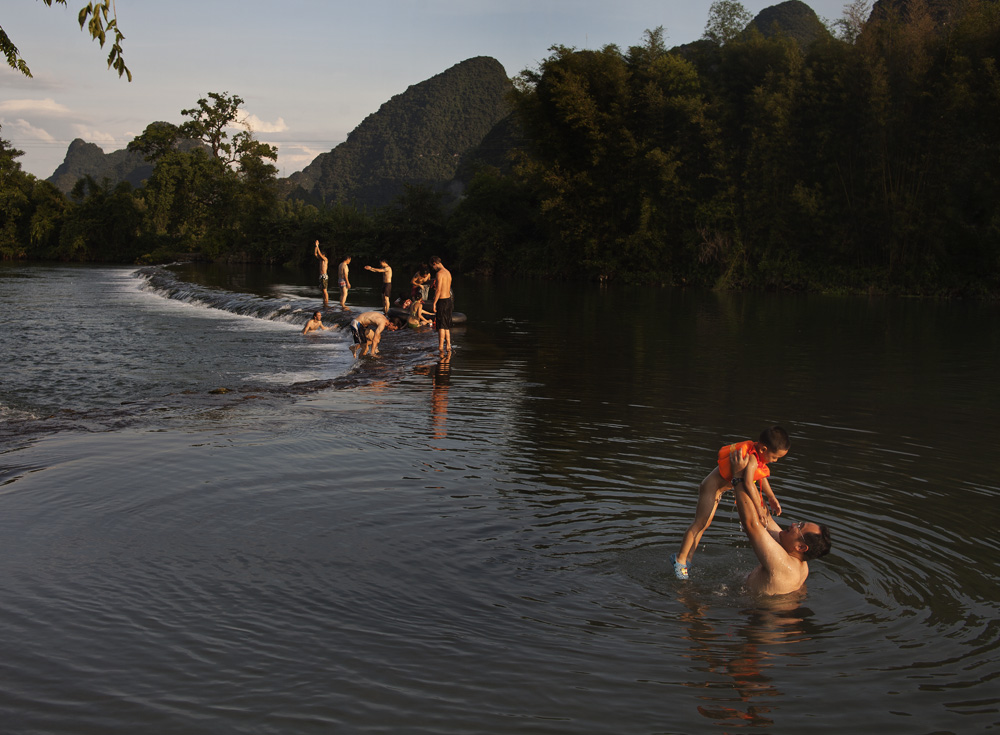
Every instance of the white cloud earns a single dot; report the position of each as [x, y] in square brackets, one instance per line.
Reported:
[260, 126]
[47, 106]
[296, 157]
[92, 135]
[25, 129]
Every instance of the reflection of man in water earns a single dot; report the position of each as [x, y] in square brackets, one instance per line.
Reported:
[315, 323]
[439, 397]
[323, 278]
[748, 655]
[442, 305]
[784, 555]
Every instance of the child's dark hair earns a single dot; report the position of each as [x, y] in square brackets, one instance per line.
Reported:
[776, 439]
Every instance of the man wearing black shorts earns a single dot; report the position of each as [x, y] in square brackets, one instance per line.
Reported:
[386, 272]
[442, 305]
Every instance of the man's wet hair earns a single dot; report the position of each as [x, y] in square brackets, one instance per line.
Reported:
[776, 439]
[317, 314]
[818, 543]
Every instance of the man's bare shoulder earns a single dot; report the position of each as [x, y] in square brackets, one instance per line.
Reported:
[778, 573]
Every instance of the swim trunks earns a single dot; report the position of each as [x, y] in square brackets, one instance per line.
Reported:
[442, 317]
[323, 279]
[387, 289]
[343, 284]
[359, 332]
[748, 446]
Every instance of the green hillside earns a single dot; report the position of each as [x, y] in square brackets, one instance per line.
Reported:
[793, 19]
[417, 137]
[86, 159]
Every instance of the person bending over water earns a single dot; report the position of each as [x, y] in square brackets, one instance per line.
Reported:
[367, 331]
[784, 555]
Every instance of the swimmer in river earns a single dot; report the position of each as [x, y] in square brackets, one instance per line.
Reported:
[784, 555]
[386, 272]
[314, 324]
[772, 445]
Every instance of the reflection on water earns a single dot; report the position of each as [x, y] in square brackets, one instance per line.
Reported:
[739, 662]
[479, 542]
[440, 375]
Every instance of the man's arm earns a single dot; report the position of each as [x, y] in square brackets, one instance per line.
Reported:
[765, 546]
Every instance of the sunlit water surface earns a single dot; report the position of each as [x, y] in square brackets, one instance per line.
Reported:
[480, 544]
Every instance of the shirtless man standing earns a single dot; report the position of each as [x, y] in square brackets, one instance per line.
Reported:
[343, 281]
[442, 305]
[323, 278]
[386, 272]
[784, 555]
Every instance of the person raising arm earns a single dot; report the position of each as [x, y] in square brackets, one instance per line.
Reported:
[784, 555]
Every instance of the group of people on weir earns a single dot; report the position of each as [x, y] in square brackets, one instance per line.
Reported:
[431, 284]
[784, 554]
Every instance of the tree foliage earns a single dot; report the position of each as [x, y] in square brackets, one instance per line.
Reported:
[100, 20]
[863, 162]
[726, 21]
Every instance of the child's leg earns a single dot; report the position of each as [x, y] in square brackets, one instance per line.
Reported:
[709, 494]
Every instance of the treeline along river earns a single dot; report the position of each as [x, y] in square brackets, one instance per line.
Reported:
[481, 544]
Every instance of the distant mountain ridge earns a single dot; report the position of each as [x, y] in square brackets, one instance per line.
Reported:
[87, 159]
[793, 19]
[418, 137]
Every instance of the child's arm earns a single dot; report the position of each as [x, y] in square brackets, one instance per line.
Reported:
[772, 500]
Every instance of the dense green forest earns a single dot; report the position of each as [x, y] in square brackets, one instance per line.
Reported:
[867, 160]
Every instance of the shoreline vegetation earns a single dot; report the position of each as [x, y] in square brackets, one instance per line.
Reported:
[861, 160]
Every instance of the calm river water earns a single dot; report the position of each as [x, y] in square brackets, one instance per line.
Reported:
[481, 545]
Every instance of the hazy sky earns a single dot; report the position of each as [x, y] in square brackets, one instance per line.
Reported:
[309, 70]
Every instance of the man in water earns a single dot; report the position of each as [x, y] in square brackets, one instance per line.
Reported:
[315, 323]
[323, 279]
[386, 272]
[343, 281]
[367, 331]
[784, 555]
[442, 305]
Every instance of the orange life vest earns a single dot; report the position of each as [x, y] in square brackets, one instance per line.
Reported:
[748, 446]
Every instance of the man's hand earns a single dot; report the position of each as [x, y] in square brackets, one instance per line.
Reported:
[738, 460]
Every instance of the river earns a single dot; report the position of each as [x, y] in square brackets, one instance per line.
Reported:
[210, 523]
